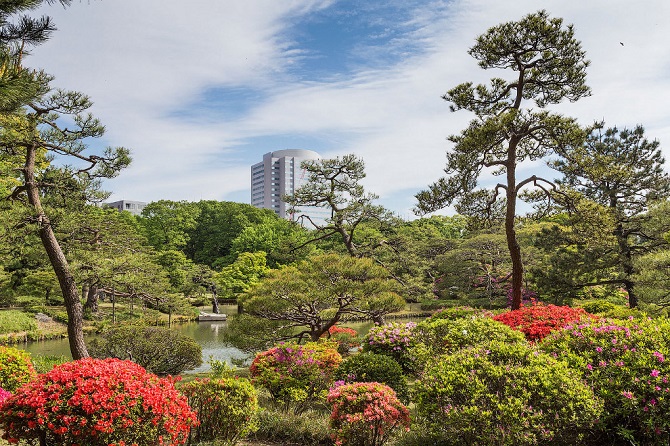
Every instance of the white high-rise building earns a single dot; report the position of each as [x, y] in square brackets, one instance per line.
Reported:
[278, 174]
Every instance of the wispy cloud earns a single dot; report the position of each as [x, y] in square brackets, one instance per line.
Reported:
[199, 91]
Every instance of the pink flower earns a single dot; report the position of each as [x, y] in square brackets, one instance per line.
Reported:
[654, 373]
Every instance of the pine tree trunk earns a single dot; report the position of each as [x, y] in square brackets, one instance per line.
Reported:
[58, 261]
[510, 232]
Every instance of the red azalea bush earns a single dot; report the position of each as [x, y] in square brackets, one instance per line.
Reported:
[16, 368]
[98, 402]
[365, 414]
[296, 375]
[226, 408]
[346, 338]
[537, 321]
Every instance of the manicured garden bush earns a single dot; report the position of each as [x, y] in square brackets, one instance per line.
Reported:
[16, 368]
[504, 394]
[371, 367]
[625, 363]
[297, 376]
[13, 321]
[226, 408]
[537, 321]
[158, 349]
[97, 402]
[436, 337]
[310, 428]
[392, 339]
[346, 338]
[458, 312]
[365, 414]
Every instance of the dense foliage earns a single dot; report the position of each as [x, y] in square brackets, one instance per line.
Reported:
[504, 394]
[98, 403]
[16, 368]
[392, 339]
[372, 367]
[160, 350]
[226, 408]
[365, 414]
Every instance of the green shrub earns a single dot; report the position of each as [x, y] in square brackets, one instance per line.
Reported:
[365, 414]
[44, 363]
[158, 349]
[16, 368]
[598, 306]
[458, 312]
[297, 376]
[440, 336]
[13, 321]
[625, 363]
[504, 394]
[371, 367]
[307, 429]
[226, 409]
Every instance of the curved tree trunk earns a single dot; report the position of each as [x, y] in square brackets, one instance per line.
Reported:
[58, 261]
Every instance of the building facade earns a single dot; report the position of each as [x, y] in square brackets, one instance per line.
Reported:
[134, 207]
[278, 174]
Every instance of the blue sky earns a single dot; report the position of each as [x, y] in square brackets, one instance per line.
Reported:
[199, 90]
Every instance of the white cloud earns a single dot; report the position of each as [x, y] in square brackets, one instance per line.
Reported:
[143, 60]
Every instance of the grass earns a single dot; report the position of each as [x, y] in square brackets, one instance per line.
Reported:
[15, 321]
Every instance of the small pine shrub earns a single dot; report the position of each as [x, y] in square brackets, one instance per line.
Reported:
[504, 394]
[158, 349]
[310, 428]
[371, 367]
[365, 414]
[296, 376]
[16, 368]
[97, 403]
[226, 408]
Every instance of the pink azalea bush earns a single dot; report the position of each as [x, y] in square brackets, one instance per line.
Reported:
[297, 375]
[4, 395]
[627, 363]
[365, 414]
[393, 339]
[97, 402]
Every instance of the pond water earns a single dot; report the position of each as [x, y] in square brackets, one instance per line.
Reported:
[208, 334]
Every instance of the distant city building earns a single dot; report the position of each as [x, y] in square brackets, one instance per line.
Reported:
[134, 207]
[280, 174]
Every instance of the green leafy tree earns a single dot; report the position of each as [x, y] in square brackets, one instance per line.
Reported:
[167, 224]
[36, 133]
[622, 171]
[549, 66]
[334, 185]
[241, 275]
[304, 301]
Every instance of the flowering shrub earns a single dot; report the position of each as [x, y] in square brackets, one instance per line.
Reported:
[437, 337]
[16, 368]
[346, 338]
[365, 414]
[296, 375]
[504, 394]
[393, 340]
[537, 321]
[226, 408]
[4, 395]
[371, 367]
[97, 403]
[627, 362]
